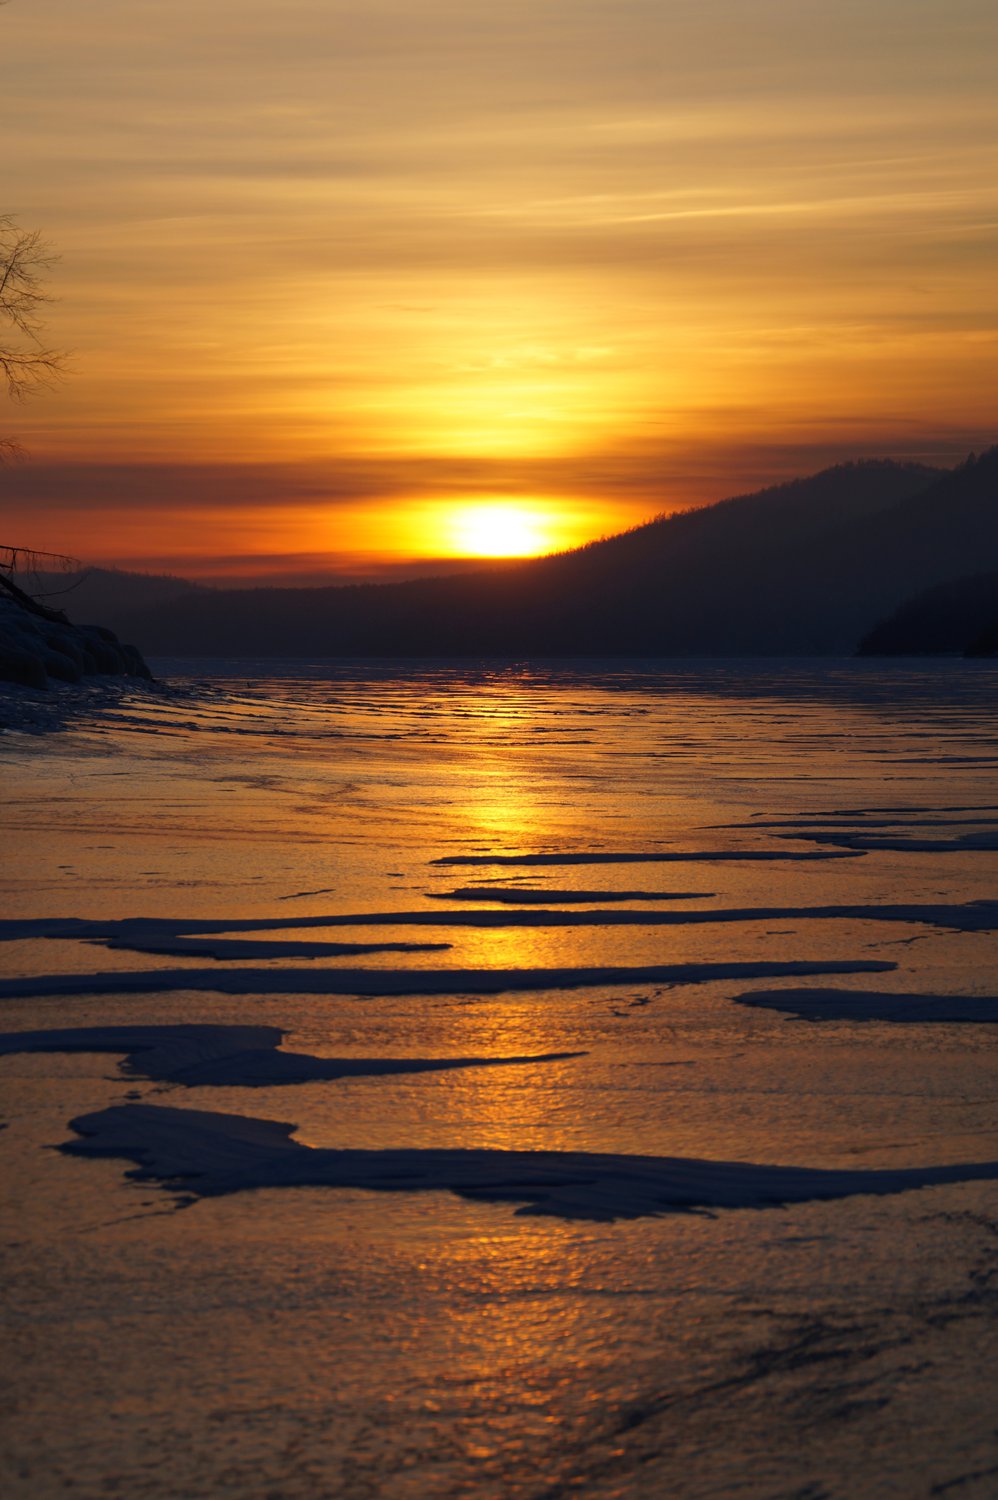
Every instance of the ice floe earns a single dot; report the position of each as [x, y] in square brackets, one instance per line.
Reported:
[176, 934]
[208, 1155]
[244, 1056]
[233, 949]
[630, 857]
[380, 982]
[531, 895]
[874, 1005]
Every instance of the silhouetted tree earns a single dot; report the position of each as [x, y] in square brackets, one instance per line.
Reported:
[26, 364]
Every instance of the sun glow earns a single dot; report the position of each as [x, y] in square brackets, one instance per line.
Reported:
[501, 528]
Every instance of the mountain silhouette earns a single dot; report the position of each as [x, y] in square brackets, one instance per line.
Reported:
[803, 568]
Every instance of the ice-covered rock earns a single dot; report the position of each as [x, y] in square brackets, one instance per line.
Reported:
[39, 646]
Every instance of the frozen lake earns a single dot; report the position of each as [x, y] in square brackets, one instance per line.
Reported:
[552, 971]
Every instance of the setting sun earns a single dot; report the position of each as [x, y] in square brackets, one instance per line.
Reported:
[501, 528]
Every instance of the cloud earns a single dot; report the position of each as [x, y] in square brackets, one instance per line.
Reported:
[331, 258]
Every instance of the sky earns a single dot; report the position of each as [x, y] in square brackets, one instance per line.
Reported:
[347, 286]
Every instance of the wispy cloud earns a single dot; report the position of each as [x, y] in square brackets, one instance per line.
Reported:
[350, 255]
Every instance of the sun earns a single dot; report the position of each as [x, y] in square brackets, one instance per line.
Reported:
[500, 528]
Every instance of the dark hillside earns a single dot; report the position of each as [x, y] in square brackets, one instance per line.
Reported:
[804, 568]
[958, 618]
[110, 595]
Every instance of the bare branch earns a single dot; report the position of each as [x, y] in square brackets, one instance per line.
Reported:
[25, 365]
[28, 371]
[28, 560]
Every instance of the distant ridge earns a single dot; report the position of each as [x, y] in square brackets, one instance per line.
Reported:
[107, 592]
[803, 568]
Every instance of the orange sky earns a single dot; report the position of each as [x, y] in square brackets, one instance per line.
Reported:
[336, 274]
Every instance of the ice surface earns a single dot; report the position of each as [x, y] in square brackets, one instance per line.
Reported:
[639, 1330]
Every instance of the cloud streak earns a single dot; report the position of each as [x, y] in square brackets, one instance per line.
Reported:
[377, 253]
